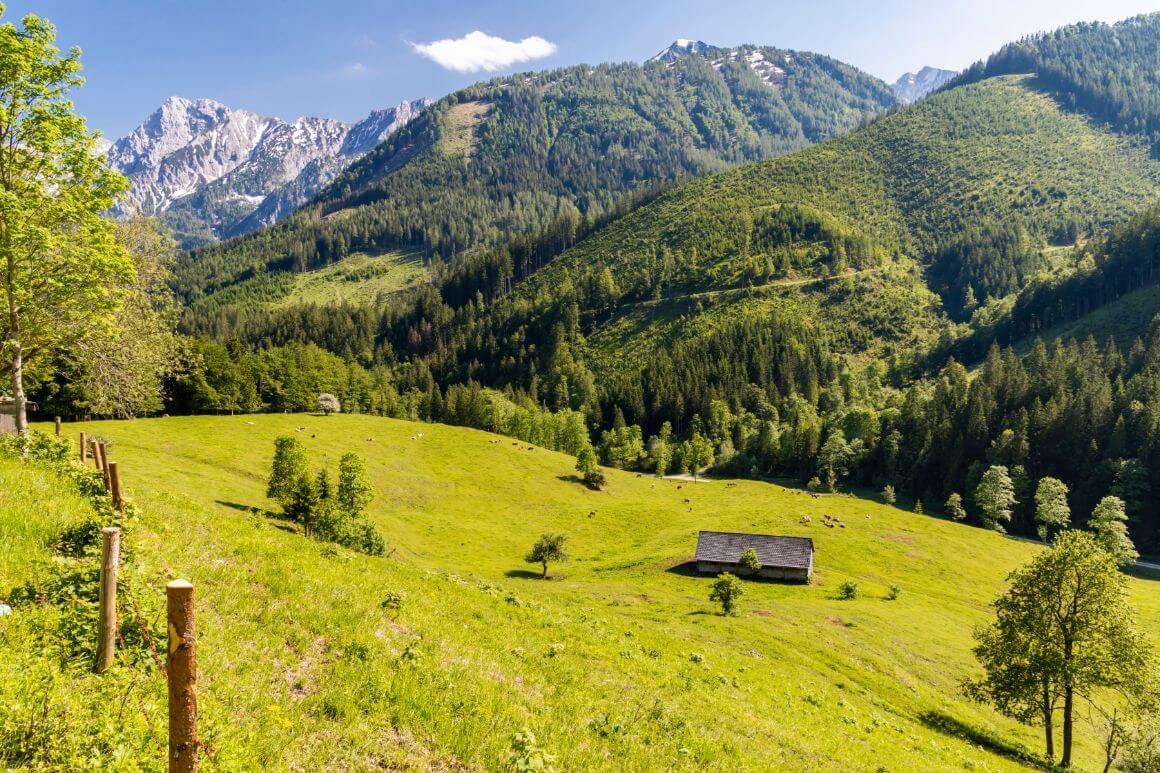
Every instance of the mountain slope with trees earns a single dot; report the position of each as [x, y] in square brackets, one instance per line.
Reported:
[1106, 70]
[547, 153]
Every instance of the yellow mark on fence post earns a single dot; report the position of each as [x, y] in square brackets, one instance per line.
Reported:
[181, 667]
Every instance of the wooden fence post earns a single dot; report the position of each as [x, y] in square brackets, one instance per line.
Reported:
[115, 482]
[84, 449]
[57, 426]
[107, 617]
[97, 456]
[105, 466]
[181, 667]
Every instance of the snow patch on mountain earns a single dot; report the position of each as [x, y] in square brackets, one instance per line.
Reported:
[757, 59]
[680, 47]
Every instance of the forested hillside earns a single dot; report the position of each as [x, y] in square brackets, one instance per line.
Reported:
[549, 153]
[1106, 70]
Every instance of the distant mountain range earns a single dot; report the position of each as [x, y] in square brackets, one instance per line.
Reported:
[212, 172]
[912, 87]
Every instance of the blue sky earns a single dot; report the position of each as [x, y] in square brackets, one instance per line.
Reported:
[345, 57]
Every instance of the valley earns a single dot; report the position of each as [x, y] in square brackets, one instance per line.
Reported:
[726, 409]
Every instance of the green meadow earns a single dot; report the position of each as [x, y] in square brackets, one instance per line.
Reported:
[618, 661]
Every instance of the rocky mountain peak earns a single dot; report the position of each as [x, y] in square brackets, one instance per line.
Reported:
[217, 165]
[680, 47]
[911, 87]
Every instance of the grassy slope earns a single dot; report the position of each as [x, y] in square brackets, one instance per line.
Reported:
[301, 666]
[1124, 320]
[359, 278]
[993, 150]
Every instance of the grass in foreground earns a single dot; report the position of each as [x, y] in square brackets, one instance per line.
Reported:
[617, 662]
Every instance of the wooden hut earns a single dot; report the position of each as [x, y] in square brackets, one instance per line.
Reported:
[781, 558]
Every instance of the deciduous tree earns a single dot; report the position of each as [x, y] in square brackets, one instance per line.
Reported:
[1064, 631]
[62, 272]
[1051, 510]
[288, 467]
[1109, 521]
[549, 547]
[995, 496]
[355, 491]
[726, 591]
[954, 507]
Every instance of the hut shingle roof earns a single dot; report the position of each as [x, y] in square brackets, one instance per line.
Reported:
[726, 547]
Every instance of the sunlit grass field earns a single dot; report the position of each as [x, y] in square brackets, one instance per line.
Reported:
[616, 662]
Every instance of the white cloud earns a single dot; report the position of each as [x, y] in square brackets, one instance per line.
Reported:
[479, 51]
[358, 68]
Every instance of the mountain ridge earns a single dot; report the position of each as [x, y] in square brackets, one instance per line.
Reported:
[212, 171]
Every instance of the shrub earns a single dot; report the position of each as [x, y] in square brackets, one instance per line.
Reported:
[888, 495]
[361, 536]
[393, 601]
[525, 754]
[588, 468]
[81, 537]
[848, 590]
[954, 507]
[726, 591]
[894, 592]
[749, 561]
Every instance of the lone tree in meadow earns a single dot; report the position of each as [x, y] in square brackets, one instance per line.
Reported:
[288, 468]
[328, 404]
[62, 272]
[549, 547]
[727, 591]
[1109, 521]
[1063, 632]
[888, 495]
[995, 496]
[954, 507]
[749, 561]
[1051, 511]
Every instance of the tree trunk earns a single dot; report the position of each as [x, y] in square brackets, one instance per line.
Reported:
[545, 574]
[1065, 762]
[1048, 725]
[19, 401]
